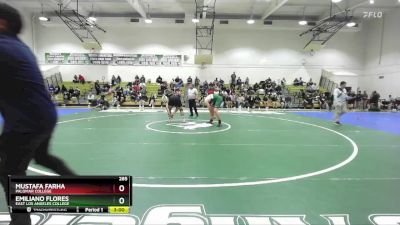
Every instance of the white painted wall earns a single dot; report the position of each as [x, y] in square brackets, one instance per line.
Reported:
[257, 53]
[338, 76]
[27, 33]
[382, 56]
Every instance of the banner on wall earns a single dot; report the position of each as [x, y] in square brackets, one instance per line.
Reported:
[112, 59]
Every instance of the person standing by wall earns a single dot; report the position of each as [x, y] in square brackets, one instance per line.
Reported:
[365, 99]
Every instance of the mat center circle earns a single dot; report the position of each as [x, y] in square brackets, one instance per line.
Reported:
[191, 126]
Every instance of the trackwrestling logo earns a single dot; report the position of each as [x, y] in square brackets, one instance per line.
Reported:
[194, 215]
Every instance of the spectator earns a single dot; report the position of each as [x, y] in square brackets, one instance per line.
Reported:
[64, 89]
[178, 83]
[256, 86]
[374, 101]
[119, 80]
[142, 100]
[159, 80]
[81, 79]
[221, 82]
[75, 80]
[143, 88]
[391, 101]
[118, 97]
[92, 99]
[278, 89]
[71, 91]
[309, 83]
[136, 88]
[233, 78]
[288, 102]
[239, 82]
[77, 94]
[142, 79]
[283, 82]
[301, 82]
[57, 90]
[66, 97]
[247, 81]
[196, 82]
[163, 86]
[358, 101]
[102, 103]
[152, 101]
[364, 100]
[106, 87]
[250, 102]
[115, 102]
[113, 81]
[296, 82]
[189, 80]
[312, 88]
[97, 87]
[275, 100]
[233, 100]
[352, 98]
[261, 91]
[323, 102]
[266, 101]
[240, 102]
[137, 80]
[257, 101]
[308, 101]
[51, 89]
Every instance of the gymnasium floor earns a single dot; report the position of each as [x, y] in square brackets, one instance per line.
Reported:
[260, 163]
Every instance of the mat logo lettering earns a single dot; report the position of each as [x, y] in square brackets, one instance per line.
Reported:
[195, 214]
[190, 125]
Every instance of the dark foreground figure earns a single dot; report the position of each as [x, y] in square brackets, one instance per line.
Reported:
[28, 112]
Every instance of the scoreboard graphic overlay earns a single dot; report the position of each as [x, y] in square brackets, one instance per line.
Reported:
[83, 194]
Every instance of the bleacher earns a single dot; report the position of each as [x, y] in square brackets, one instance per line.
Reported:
[153, 89]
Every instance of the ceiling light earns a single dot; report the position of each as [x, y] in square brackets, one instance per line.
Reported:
[251, 21]
[351, 24]
[195, 20]
[336, 1]
[43, 18]
[371, 1]
[92, 19]
[302, 22]
[148, 20]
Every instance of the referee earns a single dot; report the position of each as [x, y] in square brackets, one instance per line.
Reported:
[28, 121]
[192, 96]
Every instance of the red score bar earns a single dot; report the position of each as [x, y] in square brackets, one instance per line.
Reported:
[70, 185]
[72, 189]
